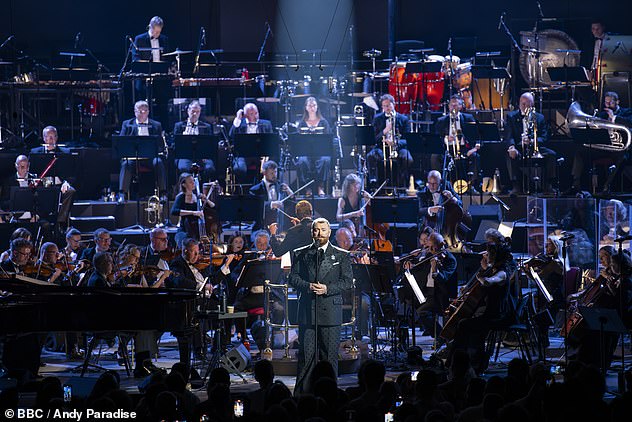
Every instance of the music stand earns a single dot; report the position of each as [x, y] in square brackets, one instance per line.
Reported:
[40, 201]
[257, 145]
[603, 320]
[395, 211]
[482, 131]
[368, 278]
[311, 145]
[255, 272]
[240, 208]
[137, 147]
[424, 143]
[196, 147]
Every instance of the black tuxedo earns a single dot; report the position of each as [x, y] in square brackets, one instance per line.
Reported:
[622, 116]
[184, 164]
[296, 237]
[269, 215]
[513, 136]
[263, 126]
[9, 266]
[97, 280]
[426, 201]
[203, 128]
[375, 157]
[442, 126]
[143, 41]
[472, 163]
[335, 272]
[185, 278]
[130, 128]
[57, 150]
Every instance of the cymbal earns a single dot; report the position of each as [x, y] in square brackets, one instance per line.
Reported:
[268, 100]
[178, 51]
[332, 101]
[360, 94]
[1, 63]
[301, 95]
[372, 53]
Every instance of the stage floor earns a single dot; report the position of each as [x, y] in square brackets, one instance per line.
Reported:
[57, 365]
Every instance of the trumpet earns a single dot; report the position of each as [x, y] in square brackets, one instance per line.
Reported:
[389, 141]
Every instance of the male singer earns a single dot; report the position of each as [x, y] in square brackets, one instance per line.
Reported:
[320, 273]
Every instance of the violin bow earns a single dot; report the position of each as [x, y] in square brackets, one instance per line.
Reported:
[297, 191]
[371, 196]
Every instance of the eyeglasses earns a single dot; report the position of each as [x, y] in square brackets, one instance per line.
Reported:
[23, 253]
[162, 239]
[105, 239]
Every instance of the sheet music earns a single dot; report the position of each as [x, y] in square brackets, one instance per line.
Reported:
[541, 285]
[415, 286]
[286, 261]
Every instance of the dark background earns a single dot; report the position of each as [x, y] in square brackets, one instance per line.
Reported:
[42, 28]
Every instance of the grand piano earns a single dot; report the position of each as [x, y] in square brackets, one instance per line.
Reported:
[29, 306]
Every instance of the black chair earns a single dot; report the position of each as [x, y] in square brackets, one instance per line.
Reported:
[520, 327]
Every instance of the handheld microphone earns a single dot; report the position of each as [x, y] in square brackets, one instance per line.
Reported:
[500, 21]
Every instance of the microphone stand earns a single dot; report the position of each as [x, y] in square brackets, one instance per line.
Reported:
[263, 44]
[316, 351]
[514, 48]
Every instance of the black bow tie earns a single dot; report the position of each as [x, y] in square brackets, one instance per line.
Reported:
[252, 124]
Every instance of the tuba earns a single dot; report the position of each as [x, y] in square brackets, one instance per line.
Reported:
[620, 136]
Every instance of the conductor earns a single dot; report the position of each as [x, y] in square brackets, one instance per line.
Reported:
[320, 273]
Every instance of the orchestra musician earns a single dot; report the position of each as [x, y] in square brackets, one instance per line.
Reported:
[297, 236]
[519, 139]
[249, 298]
[187, 276]
[550, 267]
[271, 191]
[451, 126]
[612, 289]
[350, 204]
[19, 233]
[23, 178]
[598, 30]
[19, 256]
[23, 351]
[494, 310]
[103, 268]
[46, 264]
[229, 271]
[154, 39]
[433, 197]
[185, 206]
[437, 277]
[49, 134]
[320, 273]
[194, 126]
[613, 112]
[344, 240]
[313, 122]
[140, 125]
[386, 130]
[73, 248]
[102, 241]
[247, 121]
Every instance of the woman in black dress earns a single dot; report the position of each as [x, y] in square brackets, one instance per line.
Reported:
[185, 206]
